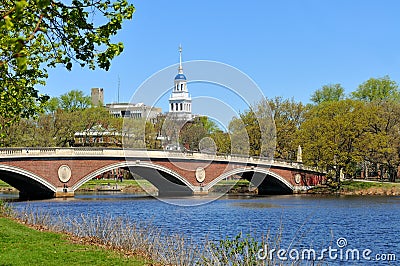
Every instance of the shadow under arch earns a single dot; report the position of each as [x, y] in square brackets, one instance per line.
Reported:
[168, 182]
[30, 185]
[267, 182]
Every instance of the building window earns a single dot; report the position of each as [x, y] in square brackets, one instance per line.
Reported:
[125, 113]
[181, 106]
[172, 106]
[181, 87]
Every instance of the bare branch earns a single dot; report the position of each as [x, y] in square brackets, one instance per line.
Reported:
[36, 28]
[3, 16]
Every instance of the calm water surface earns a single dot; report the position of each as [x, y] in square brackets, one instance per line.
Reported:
[304, 220]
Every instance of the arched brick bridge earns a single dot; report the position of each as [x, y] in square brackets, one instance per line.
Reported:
[58, 172]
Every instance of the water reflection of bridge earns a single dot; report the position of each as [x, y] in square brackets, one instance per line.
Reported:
[59, 172]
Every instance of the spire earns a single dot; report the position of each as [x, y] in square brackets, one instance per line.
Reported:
[180, 75]
[180, 69]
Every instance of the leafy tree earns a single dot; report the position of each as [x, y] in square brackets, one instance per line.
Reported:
[192, 133]
[169, 128]
[222, 140]
[209, 125]
[57, 129]
[246, 134]
[331, 92]
[376, 89]
[133, 133]
[74, 100]
[36, 35]
[253, 133]
[52, 105]
[98, 119]
[333, 136]
[151, 136]
[288, 116]
[382, 147]
[267, 128]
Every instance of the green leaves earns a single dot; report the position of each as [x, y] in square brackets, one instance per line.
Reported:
[8, 22]
[38, 34]
[74, 100]
[339, 136]
[377, 89]
[331, 92]
[19, 7]
[41, 4]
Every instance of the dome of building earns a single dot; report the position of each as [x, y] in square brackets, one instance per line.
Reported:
[180, 76]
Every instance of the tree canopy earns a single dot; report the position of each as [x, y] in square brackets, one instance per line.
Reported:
[37, 35]
[74, 100]
[331, 92]
[375, 89]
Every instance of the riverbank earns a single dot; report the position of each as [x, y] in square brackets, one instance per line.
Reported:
[234, 187]
[6, 188]
[126, 185]
[360, 188]
[35, 245]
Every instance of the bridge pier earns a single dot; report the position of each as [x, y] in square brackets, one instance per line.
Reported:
[64, 193]
[200, 190]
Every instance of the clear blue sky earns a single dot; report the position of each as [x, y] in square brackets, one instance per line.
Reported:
[289, 48]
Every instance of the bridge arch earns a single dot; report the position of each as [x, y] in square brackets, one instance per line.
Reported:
[30, 185]
[261, 176]
[165, 180]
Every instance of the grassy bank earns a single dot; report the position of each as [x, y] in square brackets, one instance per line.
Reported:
[21, 245]
[126, 185]
[371, 188]
[4, 187]
[241, 186]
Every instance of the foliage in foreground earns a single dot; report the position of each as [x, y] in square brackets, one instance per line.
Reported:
[37, 35]
[5, 209]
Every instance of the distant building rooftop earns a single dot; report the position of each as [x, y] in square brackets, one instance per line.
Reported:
[133, 110]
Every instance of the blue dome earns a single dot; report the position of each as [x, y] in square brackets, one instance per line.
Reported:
[180, 76]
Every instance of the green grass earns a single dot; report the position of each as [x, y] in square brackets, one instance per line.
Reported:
[104, 182]
[359, 185]
[240, 182]
[3, 184]
[20, 245]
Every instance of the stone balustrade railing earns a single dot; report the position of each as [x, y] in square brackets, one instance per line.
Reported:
[116, 152]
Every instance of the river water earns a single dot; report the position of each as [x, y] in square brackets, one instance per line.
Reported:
[304, 221]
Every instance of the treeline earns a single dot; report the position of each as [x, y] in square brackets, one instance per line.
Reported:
[56, 126]
[346, 135]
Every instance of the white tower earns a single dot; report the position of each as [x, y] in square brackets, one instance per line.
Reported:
[180, 102]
